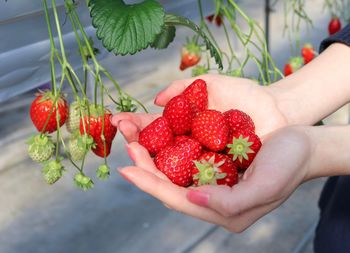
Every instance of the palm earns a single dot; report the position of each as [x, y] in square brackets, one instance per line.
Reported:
[267, 183]
[224, 93]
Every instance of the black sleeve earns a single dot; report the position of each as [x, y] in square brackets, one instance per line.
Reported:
[343, 36]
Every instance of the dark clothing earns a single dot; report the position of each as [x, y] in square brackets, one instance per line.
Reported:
[333, 229]
[342, 36]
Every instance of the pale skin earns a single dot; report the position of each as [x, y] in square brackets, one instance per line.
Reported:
[293, 152]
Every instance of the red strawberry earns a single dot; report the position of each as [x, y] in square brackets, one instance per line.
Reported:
[156, 136]
[238, 121]
[176, 162]
[99, 127]
[181, 138]
[294, 64]
[210, 128]
[334, 25]
[43, 112]
[196, 93]
[190, 55]
[214, 168]
[308, 53]
[218, 19]
[179, 113]
[243, 147]
[288, 70]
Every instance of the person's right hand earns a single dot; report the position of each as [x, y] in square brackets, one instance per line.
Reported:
[285, 160]
[224, 93]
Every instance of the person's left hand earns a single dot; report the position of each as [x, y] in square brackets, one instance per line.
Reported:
[280, 167]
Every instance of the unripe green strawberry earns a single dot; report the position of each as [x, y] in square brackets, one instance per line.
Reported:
[73, 121]
[53, 170]
[41, 147]
[79, 145]
[83, 181]
[103, 172]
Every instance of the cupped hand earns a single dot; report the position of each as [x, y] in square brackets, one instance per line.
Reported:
[224, 93]
[279, 168]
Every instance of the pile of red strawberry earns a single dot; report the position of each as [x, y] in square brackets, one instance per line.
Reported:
[192, 144]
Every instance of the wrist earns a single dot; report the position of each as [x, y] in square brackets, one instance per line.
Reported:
[316, 90]
[329, 151]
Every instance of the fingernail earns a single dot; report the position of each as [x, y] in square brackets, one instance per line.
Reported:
[124, 175]
[157, 97]
[130, 153]
[198, 198]
[114, 121]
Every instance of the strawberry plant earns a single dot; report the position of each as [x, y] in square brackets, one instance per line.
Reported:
[126, 29]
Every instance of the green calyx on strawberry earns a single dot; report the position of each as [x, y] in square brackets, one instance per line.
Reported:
[214, 168]
[98, 125]
[240, 148]
[103, 172]
[243, 147]
[53, 170]
[83, 182]
[190, 55]
[79, 145]
[208, 171]
[43, 111]
[125, 104]
[41, 147]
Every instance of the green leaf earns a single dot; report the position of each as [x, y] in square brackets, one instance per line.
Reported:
[171, 20]
[126, 29]
[164, 38]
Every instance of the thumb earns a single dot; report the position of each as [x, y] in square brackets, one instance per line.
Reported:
[174, 89]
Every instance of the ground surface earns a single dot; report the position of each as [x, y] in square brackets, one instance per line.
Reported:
[116, 216]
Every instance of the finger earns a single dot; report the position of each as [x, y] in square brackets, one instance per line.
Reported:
[230, 201]
[170, 194]
[129, 130]
[176, 88]
[141, 120]
[272, 176]
[242, 221]
[142, 159]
